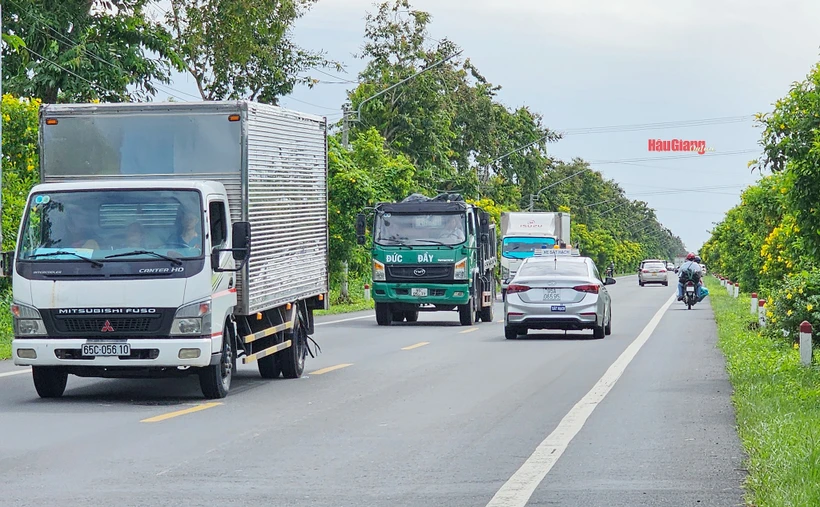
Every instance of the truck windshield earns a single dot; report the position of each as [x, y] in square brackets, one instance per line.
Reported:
[521, 248]
[100, 224]
[420, 229]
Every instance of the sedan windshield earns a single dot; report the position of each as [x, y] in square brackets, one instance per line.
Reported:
[420, 230]
[521, 248]
[112, 225]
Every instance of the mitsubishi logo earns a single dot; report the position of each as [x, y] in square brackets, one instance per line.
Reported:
[107, 327]
[419, 271]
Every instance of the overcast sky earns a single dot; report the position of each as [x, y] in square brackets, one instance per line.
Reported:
[594, 63]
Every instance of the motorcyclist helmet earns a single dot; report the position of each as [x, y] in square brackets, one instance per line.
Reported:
[697, 259]
[690, 256]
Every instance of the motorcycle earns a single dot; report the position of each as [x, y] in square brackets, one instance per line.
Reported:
[690, 294]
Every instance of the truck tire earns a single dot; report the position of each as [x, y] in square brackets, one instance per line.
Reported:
[269, 366]
[292, 359]
[487, 312]
[466, 313]
[49, 381]
[384, 317]
[215, 380]
[412, 316]
[398, 316]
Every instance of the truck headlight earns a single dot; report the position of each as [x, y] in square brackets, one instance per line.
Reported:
[460, 272]
[27, 321]
[193, 319]
[378, 271]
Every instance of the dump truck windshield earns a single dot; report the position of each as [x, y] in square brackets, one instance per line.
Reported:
[420, 229]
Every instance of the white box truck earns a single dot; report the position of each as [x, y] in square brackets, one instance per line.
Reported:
[524, 232]
[171, 239]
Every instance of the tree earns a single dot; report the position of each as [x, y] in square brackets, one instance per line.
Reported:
[237, 49]
[79, 50]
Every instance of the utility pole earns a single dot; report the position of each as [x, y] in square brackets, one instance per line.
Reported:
[1, 123]
[344, 293]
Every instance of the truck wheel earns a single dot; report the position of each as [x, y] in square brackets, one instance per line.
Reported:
[384, 317]
[292, 359]
[487, 313]
[269, 366]
[50, 381]
[398, 316]
[412, 316]
[466, 313]
[215, 380]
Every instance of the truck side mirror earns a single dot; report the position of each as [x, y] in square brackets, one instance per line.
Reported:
[6, 264]
[485, 223]
[361, 228]
[241, 233]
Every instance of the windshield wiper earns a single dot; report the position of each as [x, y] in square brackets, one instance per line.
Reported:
[396, 241]
[61, 252]
[146, 252]
[437, 242]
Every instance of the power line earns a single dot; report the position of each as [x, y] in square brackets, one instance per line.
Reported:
[311, 104]
[659, 125]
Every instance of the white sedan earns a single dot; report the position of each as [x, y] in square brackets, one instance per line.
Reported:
[562, 292]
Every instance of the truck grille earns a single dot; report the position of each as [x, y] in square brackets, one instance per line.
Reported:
[411, 272]
[96, 324]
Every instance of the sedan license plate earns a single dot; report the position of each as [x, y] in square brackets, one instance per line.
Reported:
[552, 295]
[418, 292]
[106, 349]
[558, 308]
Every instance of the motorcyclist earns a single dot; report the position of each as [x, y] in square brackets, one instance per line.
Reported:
[689, 270]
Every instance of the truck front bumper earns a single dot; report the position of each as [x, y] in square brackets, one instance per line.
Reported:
[449, 294]
[145, 353]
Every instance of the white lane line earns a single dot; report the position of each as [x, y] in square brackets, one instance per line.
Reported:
[517, 491]
[343, 320]
[10, 373]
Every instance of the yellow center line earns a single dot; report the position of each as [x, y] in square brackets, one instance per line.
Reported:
[329, 369]
[178, 413]
[469, 330]
[420, 344]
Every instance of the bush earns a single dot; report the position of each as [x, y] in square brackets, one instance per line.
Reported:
[797, 299]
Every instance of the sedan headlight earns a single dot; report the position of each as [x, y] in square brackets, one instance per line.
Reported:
[378, 271]
[27, 321]
[193, 319]
[460, 272]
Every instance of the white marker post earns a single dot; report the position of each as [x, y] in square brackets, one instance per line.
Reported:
[805, 343]
[366, 292]
[737, 289]
[754, 303]
[761, 313]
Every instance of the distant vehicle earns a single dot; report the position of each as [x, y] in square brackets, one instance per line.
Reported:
[670, 266]
[524, 232]
[652, 272]
[553, 291]
[703, 267]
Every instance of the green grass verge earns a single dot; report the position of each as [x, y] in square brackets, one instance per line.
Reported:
[356, 303]
[777, 402]
[5, 325]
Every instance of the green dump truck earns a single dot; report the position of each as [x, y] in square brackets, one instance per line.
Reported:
[431, 254]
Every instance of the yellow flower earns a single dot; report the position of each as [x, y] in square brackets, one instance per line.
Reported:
[809, 307]
[796, 346]
[783, 190]
[769, 314]
[789, 313]
[788, 295]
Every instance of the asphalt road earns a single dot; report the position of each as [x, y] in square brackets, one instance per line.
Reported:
[425, 414]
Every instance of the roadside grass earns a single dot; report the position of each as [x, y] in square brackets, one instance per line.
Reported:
[5, 325]
[777, 402]
[356, 304]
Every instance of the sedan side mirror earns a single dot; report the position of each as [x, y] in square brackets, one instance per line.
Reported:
[609, 281]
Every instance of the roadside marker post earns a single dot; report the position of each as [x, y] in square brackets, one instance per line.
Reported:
[761, 312]
[737, 289]
[805, 343]
[754, 303]
[366, 292]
